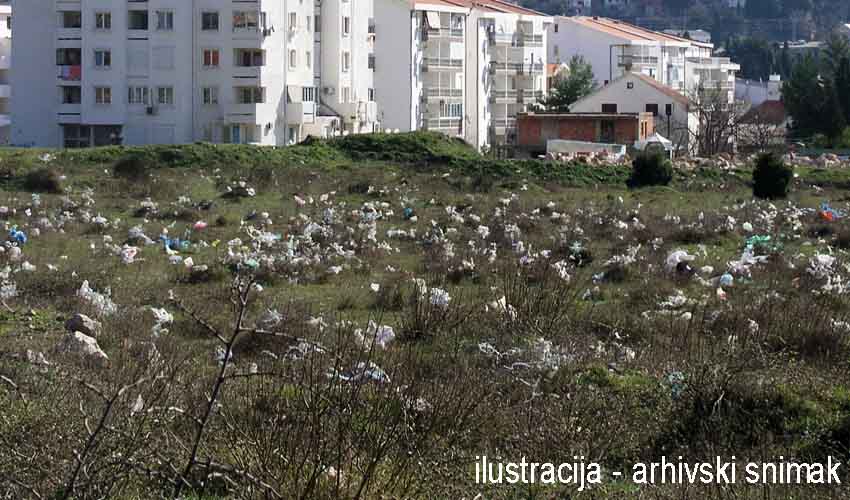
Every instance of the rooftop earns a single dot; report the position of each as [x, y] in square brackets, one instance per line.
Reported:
[498, 6]
[628, 31]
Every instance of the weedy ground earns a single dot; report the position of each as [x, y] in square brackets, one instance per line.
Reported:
[532, 310]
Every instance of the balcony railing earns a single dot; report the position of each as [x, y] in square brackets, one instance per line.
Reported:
[515, 67]
[443, 92]
[504, 123]
[630, 60]
[443, 123]
[435, 63]
[516, 95]
[515, 39]
[442, 33]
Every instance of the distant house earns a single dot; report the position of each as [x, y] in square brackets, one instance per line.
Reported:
[534, 130]
[614, 48]
[638, 93]
[763, 126]
[756, 92]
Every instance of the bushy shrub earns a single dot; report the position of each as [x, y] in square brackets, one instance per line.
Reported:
[44, 180]
[651, 169]
[133, 167]
[771, 177]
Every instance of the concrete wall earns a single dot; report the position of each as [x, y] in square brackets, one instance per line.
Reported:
[395, 71]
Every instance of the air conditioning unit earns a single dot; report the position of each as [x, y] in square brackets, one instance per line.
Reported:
[151, 110]
[329, 90]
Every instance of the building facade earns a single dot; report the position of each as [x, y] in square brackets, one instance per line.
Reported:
[614, 48]
[5, 70]
[459, 67]
[178, 71]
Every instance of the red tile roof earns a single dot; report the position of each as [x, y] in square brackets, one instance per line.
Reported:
[771, 112]
[674, 94]
[627, 31]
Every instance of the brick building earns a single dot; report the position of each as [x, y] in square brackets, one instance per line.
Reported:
[535, 129]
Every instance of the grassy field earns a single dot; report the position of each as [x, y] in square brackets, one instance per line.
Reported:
[363, 317]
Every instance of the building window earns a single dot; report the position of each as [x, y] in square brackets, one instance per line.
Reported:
[293, 21]
[71, 19]
[250, 95]
[556, 27]
[293, 59]
[211, 58]
[209, 21]
[137, 95]
[210, 95]
[371, 95]
[317, 26]
[165, 96]
[71, 95]
[630, 85]
[668, 109]
[165, 20]
[371, 63]
[102, 59]
[345, 96]
[103, 21]
[309, 23]
[308, 94]
[249, 57]
[346, 26]
[652, 108]
[309, 59]
[137, 20]
[346, 61]
[245, 20]
[103, 95]
[609, 108]
[68, 57]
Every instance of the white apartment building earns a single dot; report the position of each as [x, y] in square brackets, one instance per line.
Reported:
[5, 67]
[179, 71]
[461, 67]
[614, 48]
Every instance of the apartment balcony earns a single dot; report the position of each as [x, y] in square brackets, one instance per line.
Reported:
[633, 61]
[441, 64]
[442, 94]
[711, 62]
[515, 96]
[251, 114]
[515, 68]
[69, 114]
[455, 34]
[444, 124]
[72, 73]
[300, 112]
[515, 39]
[502, 125]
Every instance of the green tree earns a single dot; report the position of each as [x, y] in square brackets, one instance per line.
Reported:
[837, 48]
[832, 117]
[842, 86]
[577, 84]
[804, 97]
